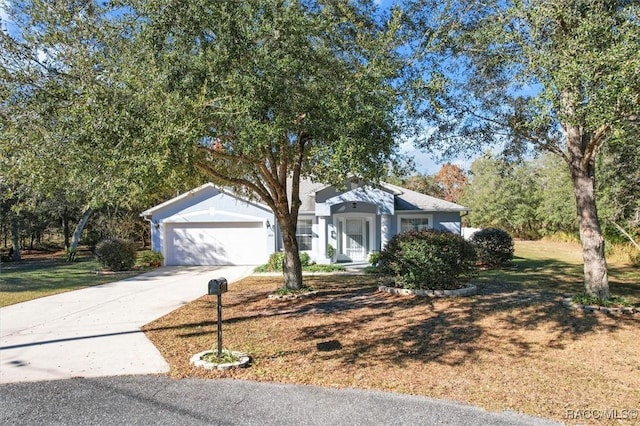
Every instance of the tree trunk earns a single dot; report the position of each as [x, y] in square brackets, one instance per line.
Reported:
[79, 228]
[292, 268]
[15, 240]
[596, 279]
[65, 229]
[582, 165]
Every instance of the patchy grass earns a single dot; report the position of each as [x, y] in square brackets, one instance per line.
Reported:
[46, 274]
[512, 347]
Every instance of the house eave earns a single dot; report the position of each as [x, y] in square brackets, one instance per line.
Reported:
[148, 214]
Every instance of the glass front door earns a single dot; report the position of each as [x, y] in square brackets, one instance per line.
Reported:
[354, 239]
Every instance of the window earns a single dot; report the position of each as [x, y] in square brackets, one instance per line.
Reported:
[414, 224]
[304, 234]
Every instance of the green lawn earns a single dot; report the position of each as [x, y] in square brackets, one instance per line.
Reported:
[537, 265]
[30, 279]
[553, 267]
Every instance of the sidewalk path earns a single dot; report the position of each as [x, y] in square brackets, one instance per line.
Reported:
[95, 331]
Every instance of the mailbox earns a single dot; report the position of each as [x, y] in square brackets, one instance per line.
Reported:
[218, 286]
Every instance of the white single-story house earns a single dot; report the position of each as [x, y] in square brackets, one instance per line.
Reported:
[213, 226]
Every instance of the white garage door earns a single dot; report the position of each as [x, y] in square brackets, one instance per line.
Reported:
[223, 243]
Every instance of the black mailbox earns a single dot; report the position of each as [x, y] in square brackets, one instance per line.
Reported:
[218, 286]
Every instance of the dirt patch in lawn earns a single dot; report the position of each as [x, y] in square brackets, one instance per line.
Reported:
[503, 349]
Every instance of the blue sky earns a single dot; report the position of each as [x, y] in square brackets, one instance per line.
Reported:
[425, 162]
[5, 22]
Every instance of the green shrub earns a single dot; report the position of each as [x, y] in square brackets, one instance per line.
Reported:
[116, 254]
[428, 259]
[91, 239]
[304, 259]
[323, 268]
[374, 258]
[150, 259]
[493, 246]
[276, 259]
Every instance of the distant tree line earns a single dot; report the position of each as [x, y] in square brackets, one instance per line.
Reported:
[534, 198]
[38, 222]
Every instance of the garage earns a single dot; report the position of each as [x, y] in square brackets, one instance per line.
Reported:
[212, 226]
[216, 243]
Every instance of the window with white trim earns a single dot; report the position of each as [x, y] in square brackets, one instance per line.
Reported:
[304, 234]
[414, 224]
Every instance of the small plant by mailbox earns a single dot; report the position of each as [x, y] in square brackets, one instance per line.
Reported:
[218, 286]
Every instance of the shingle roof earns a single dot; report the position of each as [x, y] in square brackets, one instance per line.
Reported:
[412, 200]
[405, 199]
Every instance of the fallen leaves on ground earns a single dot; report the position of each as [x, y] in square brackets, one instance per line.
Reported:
[501, 350]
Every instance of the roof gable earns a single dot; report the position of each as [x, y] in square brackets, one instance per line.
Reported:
[312, 193]
[193, 197]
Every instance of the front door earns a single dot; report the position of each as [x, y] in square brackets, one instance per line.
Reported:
[354, 239]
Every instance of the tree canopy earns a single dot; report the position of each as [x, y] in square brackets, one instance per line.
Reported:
[531, 75]
[529, 199]
[76, 125]
[256, 95]
[281, 91]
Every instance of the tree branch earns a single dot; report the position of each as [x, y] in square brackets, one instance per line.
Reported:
[626, 234]
[596, 140]
[297, 170]
[224, 155]
[265, 196]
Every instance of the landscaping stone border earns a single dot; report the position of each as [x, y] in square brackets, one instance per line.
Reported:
[197, 361]
[468, 290]
[595, 308]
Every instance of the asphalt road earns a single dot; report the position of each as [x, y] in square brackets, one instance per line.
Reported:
[156, 399]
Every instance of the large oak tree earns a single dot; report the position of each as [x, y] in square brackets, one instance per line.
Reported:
[256, 94]
[75, 123]
[535, 75]
[280, 91]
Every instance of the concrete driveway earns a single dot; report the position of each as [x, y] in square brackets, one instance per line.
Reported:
[95, 331]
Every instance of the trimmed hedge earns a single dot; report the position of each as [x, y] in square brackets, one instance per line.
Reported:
[116, 254]
[428, 259]
[494, 246]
